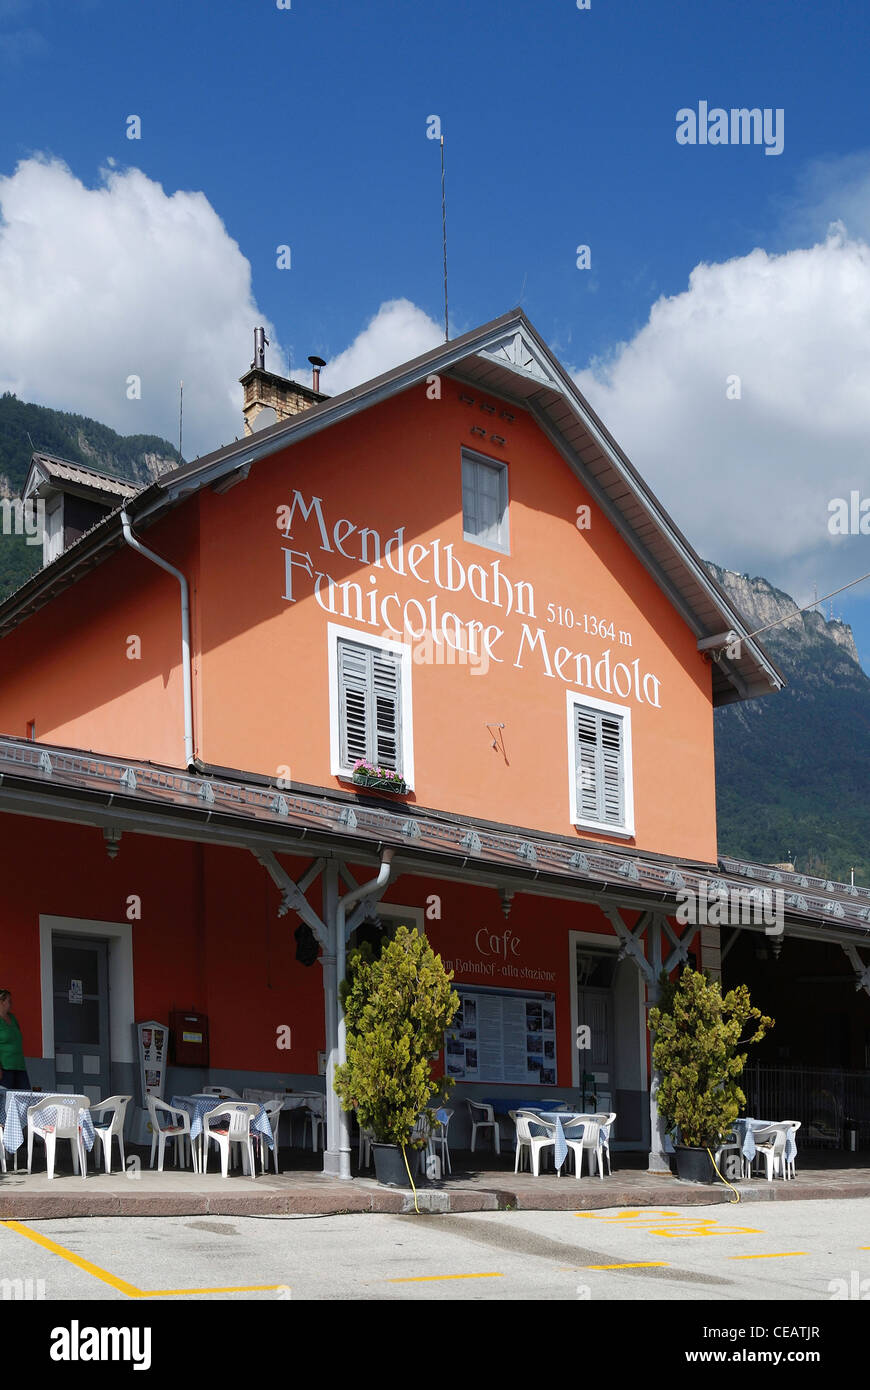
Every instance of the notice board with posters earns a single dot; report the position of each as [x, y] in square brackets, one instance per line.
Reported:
[502, 1035]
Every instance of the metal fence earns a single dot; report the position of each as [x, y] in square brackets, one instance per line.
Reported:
[827, 1102]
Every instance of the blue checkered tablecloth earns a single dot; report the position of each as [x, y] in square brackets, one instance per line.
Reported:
[199, 1106]
[13, 1117]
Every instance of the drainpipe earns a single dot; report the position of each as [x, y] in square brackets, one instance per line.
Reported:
[364, 891]
[185, 631]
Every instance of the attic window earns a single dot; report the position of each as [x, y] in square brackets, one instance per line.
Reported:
[485, 502]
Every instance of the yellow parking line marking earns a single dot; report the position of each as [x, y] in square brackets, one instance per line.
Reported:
[130, 1290]
[671, 1225]
[778, 1255]
[644, 1264]
[186, 1293]
[430, 1278]
[94, 1270]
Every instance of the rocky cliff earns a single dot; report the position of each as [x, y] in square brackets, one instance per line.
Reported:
[793, 768]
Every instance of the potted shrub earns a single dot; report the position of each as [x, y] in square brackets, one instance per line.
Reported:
[384, 779]
[396, 1008]
[698, 1049]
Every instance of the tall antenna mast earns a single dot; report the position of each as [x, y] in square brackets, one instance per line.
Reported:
[444, 242]
[180, 418]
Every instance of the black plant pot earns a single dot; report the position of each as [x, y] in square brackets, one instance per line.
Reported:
[694, 1165]
[390, 1167]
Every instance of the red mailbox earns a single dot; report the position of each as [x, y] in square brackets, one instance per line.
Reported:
[189, 1037]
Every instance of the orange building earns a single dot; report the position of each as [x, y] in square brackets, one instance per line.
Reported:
[452, 574]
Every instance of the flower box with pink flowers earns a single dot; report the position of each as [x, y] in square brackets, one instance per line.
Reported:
[382, 779]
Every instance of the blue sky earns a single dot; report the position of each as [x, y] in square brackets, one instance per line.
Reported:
[307, 127]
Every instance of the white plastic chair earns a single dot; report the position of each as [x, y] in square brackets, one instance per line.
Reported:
[535, 1143]
[224, 1092]
[178, 1129]
[438, 1137]
[607, 1119]
[476, 1109]
[113, 1128]
[364, 1157]
[316, 1124]
[273, 1109]
[588, 1142]
[66, 1126]
[238, 1115]
[729, 1145]
[794, 1126]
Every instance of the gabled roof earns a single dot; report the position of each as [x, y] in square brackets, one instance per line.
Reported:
[508, 358]
[48, 474]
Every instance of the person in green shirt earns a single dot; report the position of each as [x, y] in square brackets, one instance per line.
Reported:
[13, 1074]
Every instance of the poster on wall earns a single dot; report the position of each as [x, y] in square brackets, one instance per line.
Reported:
[506, 1035]
[153, 1041]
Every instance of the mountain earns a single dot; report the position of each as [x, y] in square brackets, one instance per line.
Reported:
[25, 428]
[793, 767]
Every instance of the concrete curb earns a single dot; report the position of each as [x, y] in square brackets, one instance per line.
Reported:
[363, 1195]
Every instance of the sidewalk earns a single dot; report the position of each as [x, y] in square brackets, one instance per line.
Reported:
[304, 1191]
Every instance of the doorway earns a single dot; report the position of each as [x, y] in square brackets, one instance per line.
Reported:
[80, 1006]
[594, 980]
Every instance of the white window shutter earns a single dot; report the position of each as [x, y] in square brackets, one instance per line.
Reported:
[587, 763]
[600, 767]
[370, 687]
[612, 771]
[386, 689]
[353, 684]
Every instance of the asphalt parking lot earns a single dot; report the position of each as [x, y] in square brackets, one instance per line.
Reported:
[789, 1252]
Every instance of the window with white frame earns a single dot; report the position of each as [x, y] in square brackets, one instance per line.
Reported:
[599, 740]
[485, 502]
[370, 703]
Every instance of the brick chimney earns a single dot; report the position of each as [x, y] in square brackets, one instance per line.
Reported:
[275, 394]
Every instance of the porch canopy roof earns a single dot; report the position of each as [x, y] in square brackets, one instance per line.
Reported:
[508, 358]
[82, 787]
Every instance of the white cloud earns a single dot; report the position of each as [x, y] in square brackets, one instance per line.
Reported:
[749, 480]
[119, 280]
[398, 332]
[99, 284]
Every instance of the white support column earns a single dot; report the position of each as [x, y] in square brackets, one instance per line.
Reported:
[371, 892]
[658, 1159]
[331, 1155]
